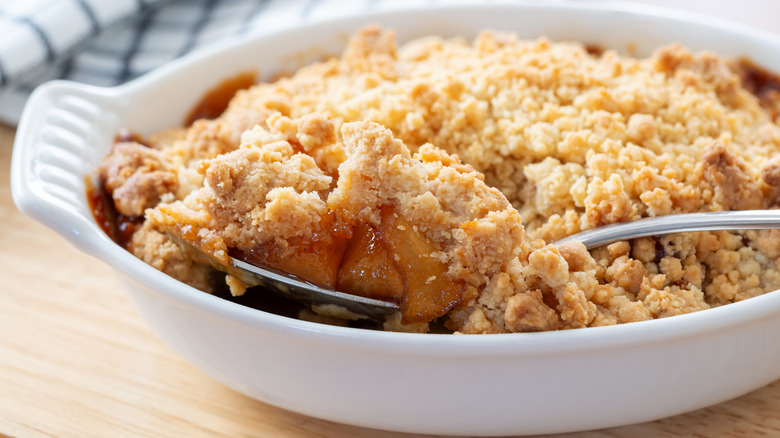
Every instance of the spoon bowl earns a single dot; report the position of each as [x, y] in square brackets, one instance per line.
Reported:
[321, 300]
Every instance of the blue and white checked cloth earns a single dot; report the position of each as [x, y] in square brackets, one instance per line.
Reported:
[108, 42]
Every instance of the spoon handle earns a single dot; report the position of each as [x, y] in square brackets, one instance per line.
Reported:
[677, 223]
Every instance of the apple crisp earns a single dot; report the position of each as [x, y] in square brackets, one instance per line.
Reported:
[438, 175]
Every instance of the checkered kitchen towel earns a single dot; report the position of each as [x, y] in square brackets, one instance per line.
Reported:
[108, 42]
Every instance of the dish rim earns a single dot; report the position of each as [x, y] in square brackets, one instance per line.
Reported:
[529, 344]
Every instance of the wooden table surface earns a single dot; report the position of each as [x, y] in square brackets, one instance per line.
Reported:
[77, 361]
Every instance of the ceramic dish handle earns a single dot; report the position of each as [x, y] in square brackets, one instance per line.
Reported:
[65, 130]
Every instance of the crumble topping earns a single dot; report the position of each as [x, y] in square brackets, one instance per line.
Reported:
[477, 156]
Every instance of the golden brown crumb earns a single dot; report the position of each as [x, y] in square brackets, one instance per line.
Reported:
[157, 250]
[263, 191]
[136, 177]
[527, 312]
[735, 189]
[576, 256]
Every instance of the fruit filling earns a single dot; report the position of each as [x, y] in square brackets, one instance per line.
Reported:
[395, 262]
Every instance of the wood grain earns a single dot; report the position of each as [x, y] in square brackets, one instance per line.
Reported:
[77, 361]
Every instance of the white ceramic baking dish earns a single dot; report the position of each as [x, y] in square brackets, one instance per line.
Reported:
[443, 384]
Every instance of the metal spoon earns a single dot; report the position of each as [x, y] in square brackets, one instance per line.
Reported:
[322, 300]
[677, 223]
[313, 295]
[310, 294]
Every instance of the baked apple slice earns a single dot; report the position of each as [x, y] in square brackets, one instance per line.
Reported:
[395, 261]
[315, 258]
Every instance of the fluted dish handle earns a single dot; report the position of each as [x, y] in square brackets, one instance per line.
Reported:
[65, 129]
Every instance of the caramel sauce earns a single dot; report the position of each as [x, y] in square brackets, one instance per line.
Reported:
[216, 100]
[118, 227]
[762, 83]
[594, 50]
[99, 206]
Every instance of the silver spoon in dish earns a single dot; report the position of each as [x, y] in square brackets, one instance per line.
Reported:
[677, 223]
[320, 299]
[333, 301]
